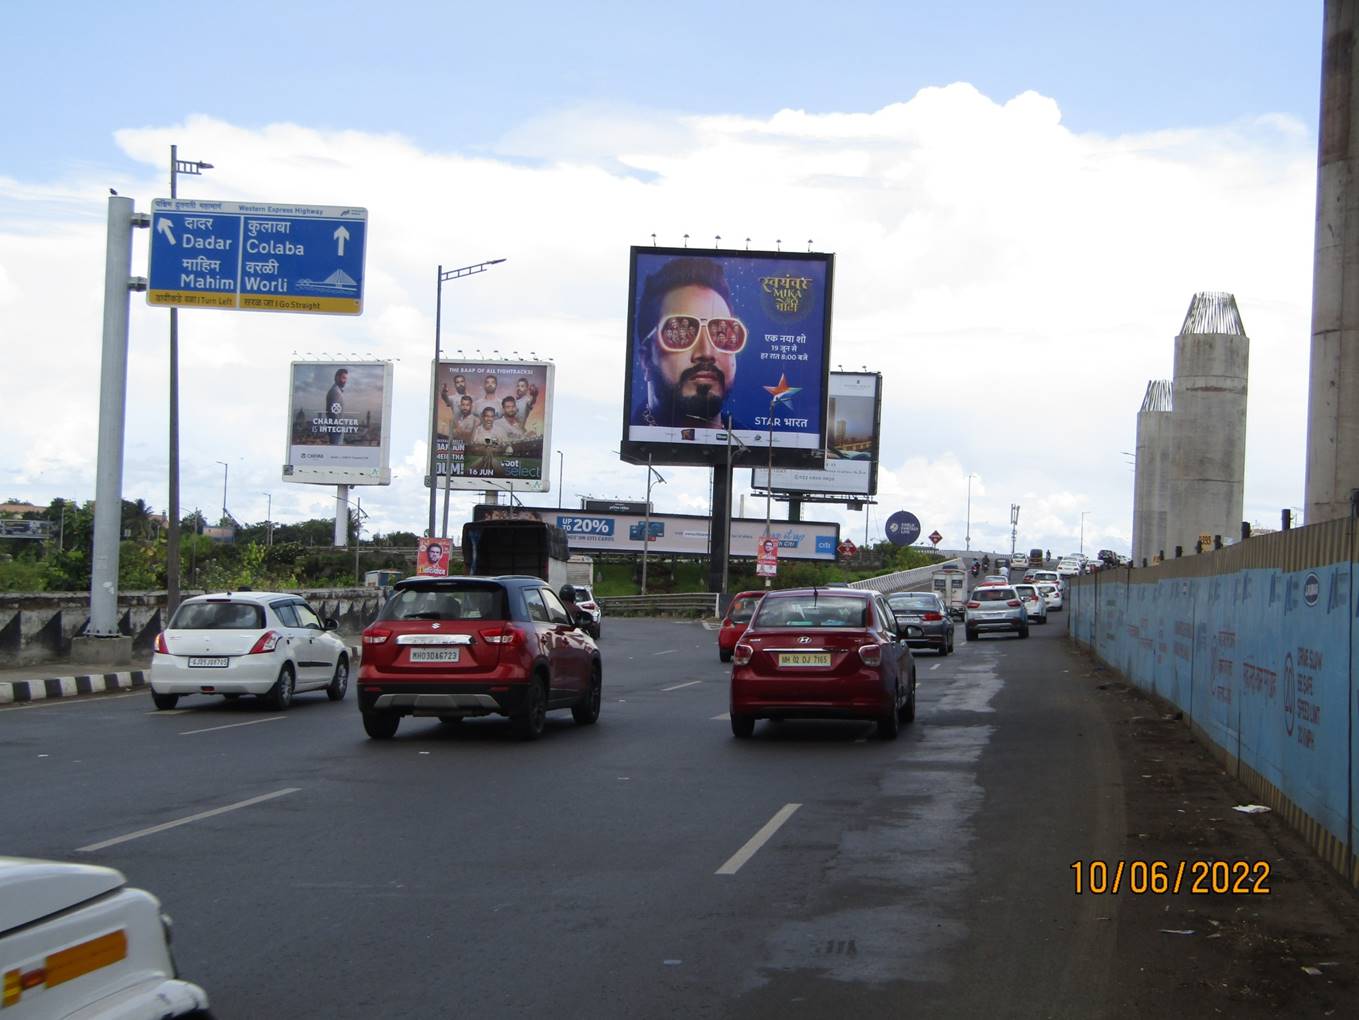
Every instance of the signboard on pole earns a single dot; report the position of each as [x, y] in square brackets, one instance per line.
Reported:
[767, 557]
[494, 424]
[903, 528]
[936, 538]
[339, 422]
[431, 557]
[718, 338]
[853, 420]
[257, 256]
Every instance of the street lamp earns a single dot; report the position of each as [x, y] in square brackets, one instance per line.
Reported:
[561, 473]
[440, 276]
[1014, 527]
[196, 167]
[1084, 515]
[225, 469]
[269, 520]
[646, 526]
[967, 539]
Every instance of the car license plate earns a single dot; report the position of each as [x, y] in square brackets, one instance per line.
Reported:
[911, 619]
[208, 661]
[434, 655]
[804, 658]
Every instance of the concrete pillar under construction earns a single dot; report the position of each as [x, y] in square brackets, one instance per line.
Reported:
[1208, 423]
[1333, 393]
[1151, 473]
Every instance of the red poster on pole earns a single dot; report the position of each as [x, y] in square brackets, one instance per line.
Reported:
[431, 557]
[767, 557]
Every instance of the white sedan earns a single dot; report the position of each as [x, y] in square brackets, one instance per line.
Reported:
[262, 643]
[76, 941]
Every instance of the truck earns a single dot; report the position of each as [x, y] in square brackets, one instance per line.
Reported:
[950, 584]
[521, 546]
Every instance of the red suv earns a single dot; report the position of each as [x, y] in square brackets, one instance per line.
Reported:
[734, 624]
[822, 653]
[454, 647]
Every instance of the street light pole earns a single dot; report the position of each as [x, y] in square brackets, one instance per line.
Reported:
[646, 525]
[968, 538]
[561, 474]
[226, 468]
[269, 520]
[440, 276]
[177, 167]
[1014, 527]
[1084, 514]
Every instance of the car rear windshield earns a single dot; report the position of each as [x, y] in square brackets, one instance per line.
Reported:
[913, 601]
[466, 601]
[1026, 590]
[579, 594]
[742, 610]
[994, 594]
[218, 616]
[811, 611]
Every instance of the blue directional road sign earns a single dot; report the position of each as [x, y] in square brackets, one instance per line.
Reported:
[257, 256]
[903, 528]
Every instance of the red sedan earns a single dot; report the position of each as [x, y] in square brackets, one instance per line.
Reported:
[734, 624]
[827, 653]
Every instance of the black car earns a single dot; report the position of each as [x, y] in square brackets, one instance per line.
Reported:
[923, 619]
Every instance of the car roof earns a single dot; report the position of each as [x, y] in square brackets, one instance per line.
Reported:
[254, 597]
[819, 590]
[508, 580]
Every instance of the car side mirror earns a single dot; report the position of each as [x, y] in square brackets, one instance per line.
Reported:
[332, 623]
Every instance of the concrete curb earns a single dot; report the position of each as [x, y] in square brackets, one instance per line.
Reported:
[20, 691]
[15, 692]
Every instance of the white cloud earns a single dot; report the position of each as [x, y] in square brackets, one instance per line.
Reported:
[1016, 282]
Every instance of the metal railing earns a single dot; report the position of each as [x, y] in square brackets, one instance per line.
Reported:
[697, 603]
[902, 580]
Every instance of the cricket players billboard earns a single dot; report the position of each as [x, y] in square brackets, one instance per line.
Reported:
[339, 422]
[853, 423]
[727, 338]
[493, 425]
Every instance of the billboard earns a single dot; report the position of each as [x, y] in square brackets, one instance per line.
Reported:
[339, 420]
[494, 425]
[718, 337]
[679, 534]
[853, 423]
[431, 557]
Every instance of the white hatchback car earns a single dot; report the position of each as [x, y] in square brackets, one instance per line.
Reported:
[76, 941]
[1052, 594]
[262, 643]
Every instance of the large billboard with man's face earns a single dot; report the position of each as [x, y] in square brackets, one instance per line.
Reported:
[853, 413]
[494, 424]
[720, 339]
[339, 417]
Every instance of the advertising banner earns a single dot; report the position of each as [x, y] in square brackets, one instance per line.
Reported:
[680, 534]
[494, 424]
[718, 338]
[431, 557]
[767, 558]
[339, 421]
[853, 423]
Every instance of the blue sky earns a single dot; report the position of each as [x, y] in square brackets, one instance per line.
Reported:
[457, 75]
[1022, 199]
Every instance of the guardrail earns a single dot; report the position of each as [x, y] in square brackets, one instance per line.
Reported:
[697, 603]
[903, 580]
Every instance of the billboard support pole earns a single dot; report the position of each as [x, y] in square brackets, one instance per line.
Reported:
[108, 491]
[795, 509]
[646, 526]
[341, 516]
[434, 398]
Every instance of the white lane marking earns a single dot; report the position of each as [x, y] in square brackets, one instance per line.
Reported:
[936, 665]
[185, 821]
[169, 712]
[725, 716]
[676, 687]
[231, 726]
[82, 699]
[668, 651]
[758, 840]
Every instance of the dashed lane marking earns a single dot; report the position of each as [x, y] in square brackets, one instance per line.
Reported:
[752, 847]
[185, 821]
[232, 726]
[675, 687]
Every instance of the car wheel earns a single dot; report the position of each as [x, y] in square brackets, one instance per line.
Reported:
[280, 696]
[947, 646]
[1024, 631]
[889, 725]
[742, 726]
[971, 634]
[339, 683]
[529, 723]
[723, 655]
[907, 713]
[587, 711]
[380, 725]
[596, 631]
[165, 701]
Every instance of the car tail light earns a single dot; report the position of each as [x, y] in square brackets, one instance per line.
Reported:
[871, 654]
[376, 635]
[161, 646]
[933, 616]
[1014, 603]
[267, 643]
[502, 636]
[587, 605]
[974, 605]
[741, 654]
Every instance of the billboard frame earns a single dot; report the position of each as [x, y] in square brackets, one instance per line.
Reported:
[303, 475]
[783, 493]
[484, 483]
[715, 454]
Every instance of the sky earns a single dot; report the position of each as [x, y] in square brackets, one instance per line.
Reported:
[1022, 200]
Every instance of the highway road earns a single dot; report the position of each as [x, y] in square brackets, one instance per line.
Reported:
[650, 866]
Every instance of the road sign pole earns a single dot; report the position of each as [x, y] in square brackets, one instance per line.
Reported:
[108, 489]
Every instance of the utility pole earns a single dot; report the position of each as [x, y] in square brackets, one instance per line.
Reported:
[646, 526]
[968, 537]
[1014, 527]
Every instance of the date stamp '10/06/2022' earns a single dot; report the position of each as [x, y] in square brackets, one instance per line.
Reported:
[1160, 878]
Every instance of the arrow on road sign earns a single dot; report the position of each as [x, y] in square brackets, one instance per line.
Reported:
[341, 235]
[164, 227]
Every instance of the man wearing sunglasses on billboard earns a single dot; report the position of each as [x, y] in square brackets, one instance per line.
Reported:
[688, 341]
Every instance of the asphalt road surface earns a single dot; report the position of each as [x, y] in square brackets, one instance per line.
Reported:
[650, 866]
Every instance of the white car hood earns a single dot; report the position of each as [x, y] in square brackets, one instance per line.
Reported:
[32, 889]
